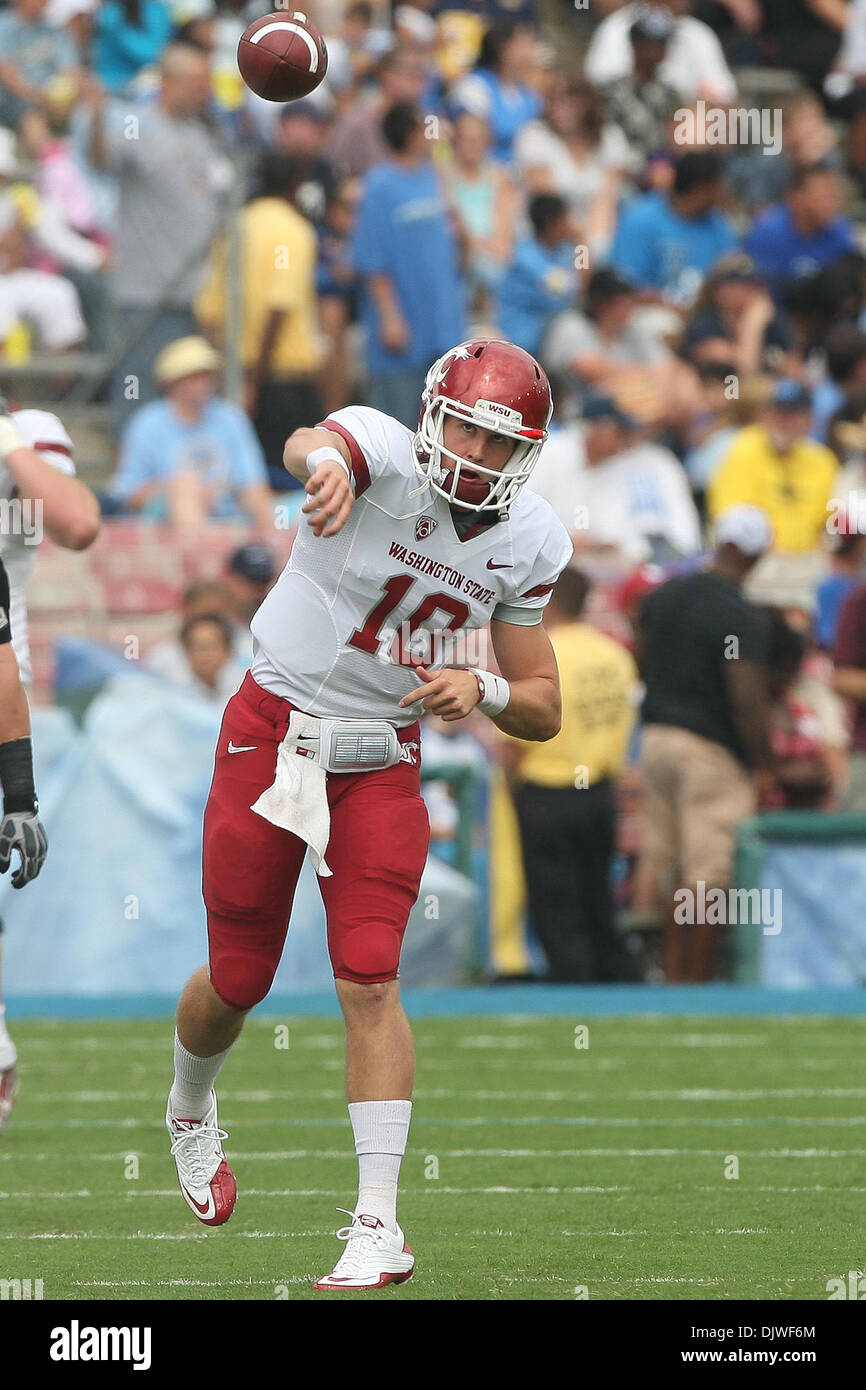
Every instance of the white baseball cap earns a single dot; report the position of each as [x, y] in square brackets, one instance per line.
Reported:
[43, 432]
[746, 527]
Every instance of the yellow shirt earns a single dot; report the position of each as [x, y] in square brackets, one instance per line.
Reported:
[278, 263]
[793, 489]
[599, 684]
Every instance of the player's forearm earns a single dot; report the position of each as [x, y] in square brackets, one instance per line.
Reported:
[14, 710]
[850, 683]
[70, 512]
[534, 710]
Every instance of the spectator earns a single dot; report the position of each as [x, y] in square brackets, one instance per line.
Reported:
[301, 134]
[640, 103]
[36, 60]
[485, 199]
[735, 321]
[668, 242]
[618, 495]
[280, 349]
[774, 465]
[36, 308]
[565, 797]
[496, 89]
[192, 456]
[337, 288]
[844, 374]
[172, 179]
[803, 234]
[804, 761]
[604, 346]
[694, 64]
[247, 579]
[541, 279]
[572, 152]
[804, 35]
[847, 556]
[809, 142]
[357, 141]
[706, 733]
[168, 659]
[849, 655]
[128, 35]
[206, 640]
[411, 319]
[354, 52]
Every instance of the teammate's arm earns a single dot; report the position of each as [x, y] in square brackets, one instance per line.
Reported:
[70, 511]
[327, 481]
[20, 826]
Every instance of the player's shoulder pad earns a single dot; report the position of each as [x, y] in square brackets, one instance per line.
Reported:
[378, 443]
[539, 535]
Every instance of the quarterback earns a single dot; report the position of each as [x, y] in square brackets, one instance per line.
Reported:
[407, 536]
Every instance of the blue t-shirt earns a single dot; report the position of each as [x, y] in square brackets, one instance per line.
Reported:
[829, 597]
[783, 253]
[121, 49]
[506, 107]
[657, 249]
[38, 51]
[221, 448]
[403, 231]
[539, 282]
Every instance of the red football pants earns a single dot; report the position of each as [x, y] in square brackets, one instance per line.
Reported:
[377, 851]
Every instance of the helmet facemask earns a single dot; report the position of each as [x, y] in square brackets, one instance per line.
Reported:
[504, 484]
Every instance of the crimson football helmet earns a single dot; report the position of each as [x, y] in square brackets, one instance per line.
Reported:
[499, 387]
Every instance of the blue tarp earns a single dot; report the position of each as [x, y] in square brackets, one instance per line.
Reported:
[117, 908]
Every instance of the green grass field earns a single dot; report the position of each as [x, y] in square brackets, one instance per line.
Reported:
[558, 1168]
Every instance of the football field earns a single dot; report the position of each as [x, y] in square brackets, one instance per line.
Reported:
[659, 1158]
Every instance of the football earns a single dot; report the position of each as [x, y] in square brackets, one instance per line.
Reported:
[282, 56]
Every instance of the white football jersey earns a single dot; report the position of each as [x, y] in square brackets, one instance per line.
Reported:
[19, 542]
[333, 634]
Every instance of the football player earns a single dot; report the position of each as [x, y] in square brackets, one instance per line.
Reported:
[408, 538]
[39, 493]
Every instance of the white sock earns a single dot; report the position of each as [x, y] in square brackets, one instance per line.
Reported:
[193, 1081]
[381, 1129]
[8, 1051]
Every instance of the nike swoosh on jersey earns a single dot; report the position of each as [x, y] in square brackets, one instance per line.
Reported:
[251, 749]
[491, 565]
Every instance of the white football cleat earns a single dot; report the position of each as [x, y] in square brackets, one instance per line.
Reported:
[373, 1256]
[8, 1089]
[206, 1180]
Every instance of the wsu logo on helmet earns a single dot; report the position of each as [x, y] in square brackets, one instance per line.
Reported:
[424, 527]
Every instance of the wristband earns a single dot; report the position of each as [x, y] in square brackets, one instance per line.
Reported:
[16, 774]
[494, 690]
[317, 456]
[10, 437]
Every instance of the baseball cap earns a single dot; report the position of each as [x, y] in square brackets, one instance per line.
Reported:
[43, 432]
[746, 527]
[605, 408]
[253, 562]
[791, 395]
[184, 357]
[654, 24]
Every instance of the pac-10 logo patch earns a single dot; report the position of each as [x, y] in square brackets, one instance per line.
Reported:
[424, 527]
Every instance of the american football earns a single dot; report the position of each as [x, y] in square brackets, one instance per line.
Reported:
[282, 56]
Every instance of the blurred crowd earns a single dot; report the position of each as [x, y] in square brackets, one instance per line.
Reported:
[629, 192]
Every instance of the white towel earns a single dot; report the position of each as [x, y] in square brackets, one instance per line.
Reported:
[298, 799]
